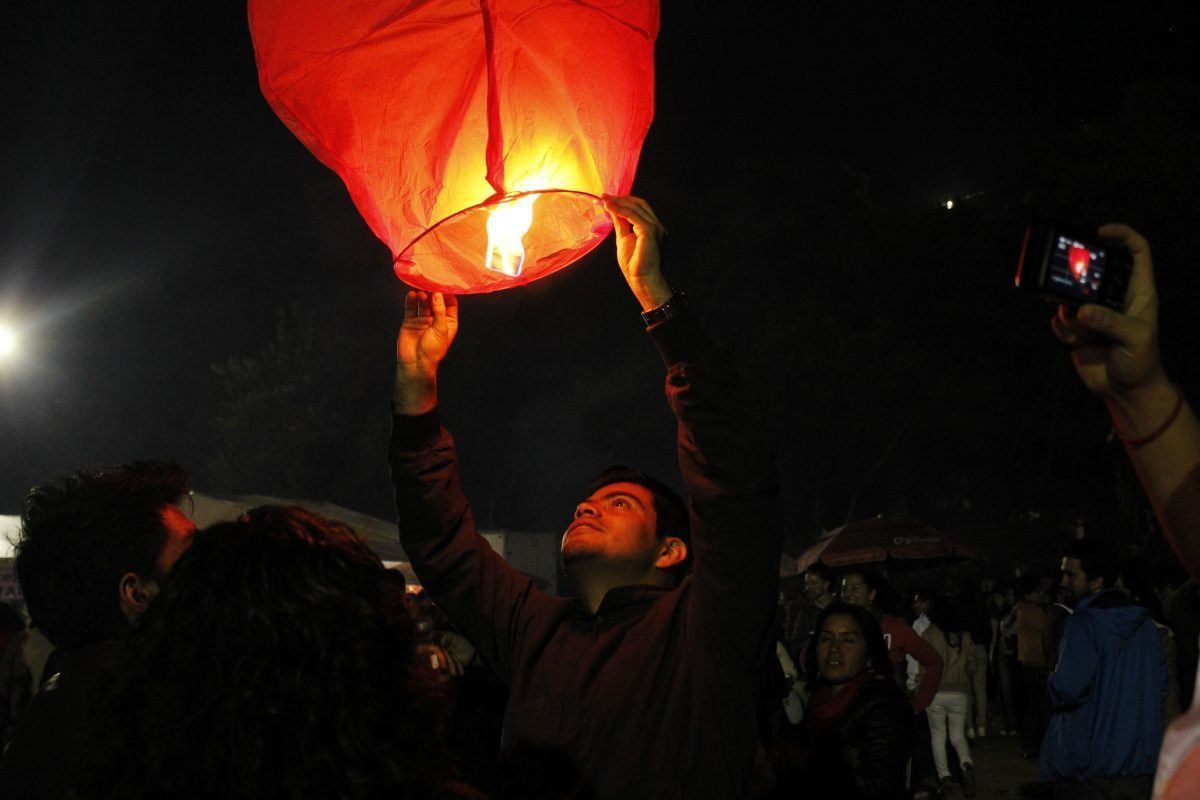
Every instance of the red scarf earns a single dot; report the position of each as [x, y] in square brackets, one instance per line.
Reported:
[827, 704]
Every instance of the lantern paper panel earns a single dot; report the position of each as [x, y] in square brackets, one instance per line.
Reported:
[457, 123]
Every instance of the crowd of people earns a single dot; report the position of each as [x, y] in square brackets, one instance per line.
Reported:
[997, 662]
[276, 656]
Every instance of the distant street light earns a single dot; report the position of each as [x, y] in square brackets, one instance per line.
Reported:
[949, 204]
[8, 343]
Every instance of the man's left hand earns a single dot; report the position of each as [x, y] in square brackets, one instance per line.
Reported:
[639, 236]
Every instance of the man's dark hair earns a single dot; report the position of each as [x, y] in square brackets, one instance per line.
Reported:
[877, 652]
[1138, 575]
[670, 511]
[886, 599]
[80, 533]
[279, 661]
[873, 580]
[1028, 583]
[10, 619]
[927, 594]
[822, 571]
[1094, 561]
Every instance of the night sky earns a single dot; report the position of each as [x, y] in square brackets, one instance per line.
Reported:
[163, 236]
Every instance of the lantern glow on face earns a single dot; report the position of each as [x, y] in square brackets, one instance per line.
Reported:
[474, 138]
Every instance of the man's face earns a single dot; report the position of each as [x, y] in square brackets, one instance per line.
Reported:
[617, 523]
[1075, 584]
[814, 586]
[136, 592]
[180, 531]
[920, 605]
[856, 592]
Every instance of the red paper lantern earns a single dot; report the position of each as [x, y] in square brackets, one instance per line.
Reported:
[474, 136]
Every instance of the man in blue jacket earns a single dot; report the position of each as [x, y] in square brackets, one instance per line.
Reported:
[1107, 692]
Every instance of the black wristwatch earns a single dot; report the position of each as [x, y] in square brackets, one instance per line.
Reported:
[675, 305]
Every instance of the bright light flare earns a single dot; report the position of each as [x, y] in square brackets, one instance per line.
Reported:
[8, 343]
[507, 225]
[948, 205]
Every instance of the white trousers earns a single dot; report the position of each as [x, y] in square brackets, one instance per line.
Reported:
[948, 714]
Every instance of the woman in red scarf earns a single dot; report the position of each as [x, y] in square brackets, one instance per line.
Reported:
[858, 726]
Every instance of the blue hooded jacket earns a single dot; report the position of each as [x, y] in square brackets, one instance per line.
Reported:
[1106, 693]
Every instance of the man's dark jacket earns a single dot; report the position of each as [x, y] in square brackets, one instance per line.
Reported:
[43, 759]
[654, 696]
[1107, 693]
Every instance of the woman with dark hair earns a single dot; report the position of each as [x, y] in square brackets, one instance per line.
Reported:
[279, 661]
[858, 727]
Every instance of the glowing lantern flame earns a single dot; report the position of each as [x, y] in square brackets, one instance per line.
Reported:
[507, 225]
[1079, 258]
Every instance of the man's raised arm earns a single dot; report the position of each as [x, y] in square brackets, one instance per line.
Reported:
[479, 592]
[1116, 356]
[724, 455]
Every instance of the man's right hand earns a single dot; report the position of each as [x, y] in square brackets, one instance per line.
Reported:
[1115, 354]
[430, 324]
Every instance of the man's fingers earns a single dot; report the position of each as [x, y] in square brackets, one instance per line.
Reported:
[421, 304]
[1105, 322]
[444, 307]
[648, 212]
[410, 305]
[1064, 334]
[634, 209]
[1066, 319]
[621, 224]
[644, 224]
[1142, 300]
[1124, 235]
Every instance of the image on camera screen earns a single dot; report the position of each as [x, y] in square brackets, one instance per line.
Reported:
[1076, 269]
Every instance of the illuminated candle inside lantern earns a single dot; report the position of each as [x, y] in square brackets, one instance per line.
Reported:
[507, 225]
[1079, 257]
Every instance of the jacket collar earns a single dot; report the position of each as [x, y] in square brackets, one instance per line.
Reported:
[623, 602]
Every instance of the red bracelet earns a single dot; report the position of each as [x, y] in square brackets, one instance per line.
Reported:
[1157, 432]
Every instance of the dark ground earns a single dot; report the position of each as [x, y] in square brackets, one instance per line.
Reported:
[1000, 772]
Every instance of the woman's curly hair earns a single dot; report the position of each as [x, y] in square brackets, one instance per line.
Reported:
[279, 662]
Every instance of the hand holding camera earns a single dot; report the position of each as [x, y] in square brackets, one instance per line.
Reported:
[1108, 315]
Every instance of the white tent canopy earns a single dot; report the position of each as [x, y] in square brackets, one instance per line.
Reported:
[9, 525]
[382, 536]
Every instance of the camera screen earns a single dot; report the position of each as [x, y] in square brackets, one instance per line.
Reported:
[1076, 268]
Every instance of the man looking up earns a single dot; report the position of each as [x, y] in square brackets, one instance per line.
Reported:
[1106, 694]
[94, 551]
[648, 686]
[861, 588]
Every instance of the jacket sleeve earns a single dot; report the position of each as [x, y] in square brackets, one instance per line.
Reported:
[480, 593]
[883, 753]
[1078, 655]
[733, 491]
[931, 665]
[1048, 641]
